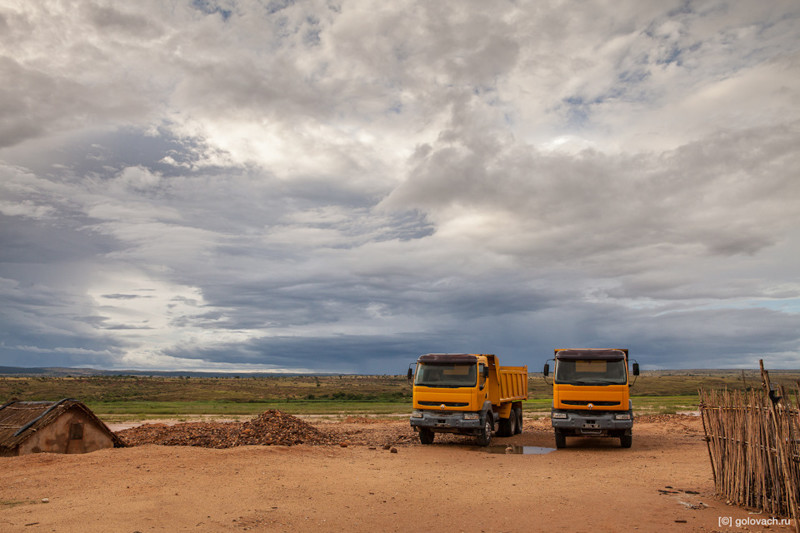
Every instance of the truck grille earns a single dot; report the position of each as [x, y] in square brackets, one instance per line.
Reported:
[596, 404]
[446, 404]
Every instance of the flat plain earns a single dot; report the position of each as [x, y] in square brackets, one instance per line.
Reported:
[373, 474]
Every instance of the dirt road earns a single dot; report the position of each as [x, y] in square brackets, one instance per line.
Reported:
[663, 483]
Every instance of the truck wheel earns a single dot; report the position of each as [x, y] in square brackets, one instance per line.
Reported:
[485, 436]
[561, 439]
[626, 441]
[512, 423]
[519, 420]
[426, 435]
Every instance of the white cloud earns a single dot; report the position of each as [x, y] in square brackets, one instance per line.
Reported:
[138, 179]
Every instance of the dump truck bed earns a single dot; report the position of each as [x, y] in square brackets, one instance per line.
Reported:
[508, 383]
[513, 382]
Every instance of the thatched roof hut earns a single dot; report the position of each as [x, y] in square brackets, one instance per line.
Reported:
[65, 426]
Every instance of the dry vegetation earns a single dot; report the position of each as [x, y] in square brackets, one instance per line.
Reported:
[125, 396]
[231, 389]
[344, 387]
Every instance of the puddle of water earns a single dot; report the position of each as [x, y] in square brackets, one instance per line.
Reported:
[511, 449]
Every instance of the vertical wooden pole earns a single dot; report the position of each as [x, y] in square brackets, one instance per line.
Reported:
[703, 413]
[783, 460]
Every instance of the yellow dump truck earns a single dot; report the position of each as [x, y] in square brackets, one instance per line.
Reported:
[470, 394]
[591, 395]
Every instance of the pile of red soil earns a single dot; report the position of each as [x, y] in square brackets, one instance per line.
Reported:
[270, 428]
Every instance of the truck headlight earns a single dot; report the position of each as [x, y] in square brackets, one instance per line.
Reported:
[559, 415]
[622, 416]
[416, 414]
[472, 416]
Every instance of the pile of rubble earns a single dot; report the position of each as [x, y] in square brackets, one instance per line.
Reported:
[276, 427]
[270, 428]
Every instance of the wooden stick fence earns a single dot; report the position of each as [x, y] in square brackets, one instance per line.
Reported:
[754, 445]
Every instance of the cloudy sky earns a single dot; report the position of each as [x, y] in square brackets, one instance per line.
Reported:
[341, 185]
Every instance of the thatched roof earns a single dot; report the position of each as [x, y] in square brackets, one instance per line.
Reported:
[19, 420]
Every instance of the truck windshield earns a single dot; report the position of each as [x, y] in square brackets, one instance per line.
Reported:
[446, 375]
[590, 372]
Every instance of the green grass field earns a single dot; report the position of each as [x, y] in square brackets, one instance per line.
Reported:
[135, 410]
[136, 397]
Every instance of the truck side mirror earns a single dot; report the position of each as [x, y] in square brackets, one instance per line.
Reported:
[546, 370]
[635, 369]
[410, 374]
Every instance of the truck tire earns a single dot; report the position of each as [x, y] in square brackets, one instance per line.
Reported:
[426, 436]
[512, 422]
[626, 441]
[485, 436]
[561, 439]
[519, 420]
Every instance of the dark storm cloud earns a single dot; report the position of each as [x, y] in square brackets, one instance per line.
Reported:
[345, 353]
[27, 242]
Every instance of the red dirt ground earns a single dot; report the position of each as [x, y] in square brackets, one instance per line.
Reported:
[663, 483]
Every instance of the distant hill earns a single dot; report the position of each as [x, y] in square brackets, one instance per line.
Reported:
[55, 371]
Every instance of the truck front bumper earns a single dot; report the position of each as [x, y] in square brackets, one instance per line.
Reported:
[597, 423]
[448, 421]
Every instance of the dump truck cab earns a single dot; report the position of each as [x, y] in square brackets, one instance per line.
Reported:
[591, 395]
[469, 394]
